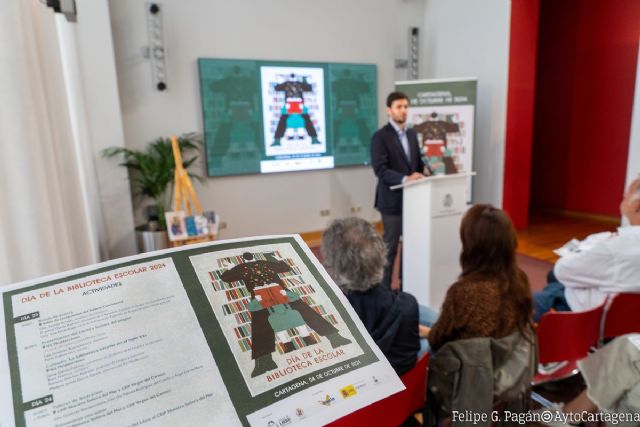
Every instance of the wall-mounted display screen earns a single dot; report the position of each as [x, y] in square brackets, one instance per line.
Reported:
[275, 116]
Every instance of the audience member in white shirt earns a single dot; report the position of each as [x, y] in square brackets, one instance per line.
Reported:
[605, 264]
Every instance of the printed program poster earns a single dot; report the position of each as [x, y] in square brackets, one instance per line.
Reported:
[99, 349]
[248, 332]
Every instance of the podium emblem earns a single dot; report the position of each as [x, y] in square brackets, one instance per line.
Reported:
[448, 200]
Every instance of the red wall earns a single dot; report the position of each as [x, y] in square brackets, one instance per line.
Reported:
[587, 54]
[523, 45]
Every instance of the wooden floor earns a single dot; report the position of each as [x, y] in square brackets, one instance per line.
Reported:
[547, 232]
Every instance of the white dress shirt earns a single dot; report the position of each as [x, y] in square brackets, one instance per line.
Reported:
[402, 136]
[404, 141]
[609, 264]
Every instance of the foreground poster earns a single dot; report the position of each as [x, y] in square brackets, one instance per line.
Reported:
[442, 112]
[244, 332]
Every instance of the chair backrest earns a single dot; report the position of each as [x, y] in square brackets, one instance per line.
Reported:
[395, 409]
[474, 373]
[568, 335]
[622, 316]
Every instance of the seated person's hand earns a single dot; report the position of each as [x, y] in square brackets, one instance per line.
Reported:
[631, 209]
[423, 331]
[630, 205]
[634, 187]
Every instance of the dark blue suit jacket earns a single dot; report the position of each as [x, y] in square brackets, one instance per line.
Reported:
[390, 165]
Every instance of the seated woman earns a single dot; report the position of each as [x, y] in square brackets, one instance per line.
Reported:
[355, 255]
[492, 297]
[483, 341]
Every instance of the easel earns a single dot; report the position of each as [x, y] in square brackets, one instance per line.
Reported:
[183, 193]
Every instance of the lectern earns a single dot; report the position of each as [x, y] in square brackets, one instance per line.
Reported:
[432, 210]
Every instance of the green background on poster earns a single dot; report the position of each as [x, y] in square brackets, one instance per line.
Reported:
[232, 106]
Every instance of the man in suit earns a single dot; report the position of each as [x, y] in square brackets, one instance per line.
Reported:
[396, 158]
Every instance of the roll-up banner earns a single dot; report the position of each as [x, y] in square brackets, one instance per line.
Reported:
[442, 112]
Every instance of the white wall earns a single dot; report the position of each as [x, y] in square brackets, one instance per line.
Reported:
[470, 38]
[366, 31]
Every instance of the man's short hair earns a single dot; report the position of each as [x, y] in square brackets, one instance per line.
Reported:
[354, 254]
[394, 96]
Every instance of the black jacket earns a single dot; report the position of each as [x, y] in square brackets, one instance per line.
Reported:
[391, 318]
[390, 164]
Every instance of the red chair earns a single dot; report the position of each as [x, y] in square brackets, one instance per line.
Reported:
[395, 409]
[566, 337]
[622, 316]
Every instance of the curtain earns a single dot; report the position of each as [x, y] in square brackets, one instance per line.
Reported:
[46, 224]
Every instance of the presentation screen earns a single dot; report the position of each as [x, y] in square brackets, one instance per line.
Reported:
[276, 116]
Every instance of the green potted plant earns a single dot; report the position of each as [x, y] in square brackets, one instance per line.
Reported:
[152, 173]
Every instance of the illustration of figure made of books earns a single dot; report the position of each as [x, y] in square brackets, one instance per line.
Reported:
[434, 139]
[295, 115]
[238, 118]
[348, 91]
[275, 309]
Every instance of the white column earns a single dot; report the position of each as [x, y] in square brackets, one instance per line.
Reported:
[98, 83]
